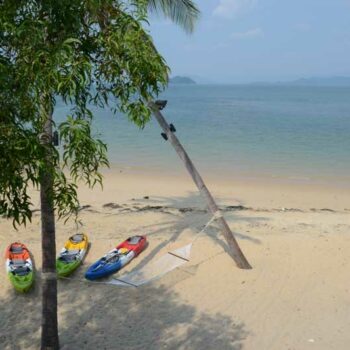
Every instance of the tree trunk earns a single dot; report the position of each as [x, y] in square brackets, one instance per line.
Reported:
[234, 248]
[49, 328]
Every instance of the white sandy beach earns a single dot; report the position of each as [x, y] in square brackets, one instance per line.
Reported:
[297, 296]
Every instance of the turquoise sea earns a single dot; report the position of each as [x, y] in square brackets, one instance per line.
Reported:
[296, 133]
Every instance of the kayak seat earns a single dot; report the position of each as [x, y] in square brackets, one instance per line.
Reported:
[18, 262]
[77, 238]
[69, 256]
[134, 239]
[21, 271]
[19, 267]
[16, 249]
[112, 259]
[73, 251]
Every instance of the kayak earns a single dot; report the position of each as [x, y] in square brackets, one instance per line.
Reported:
[19, 267]
[72, 255]
[117, 258]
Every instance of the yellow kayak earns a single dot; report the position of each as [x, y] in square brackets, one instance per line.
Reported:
[72, 255]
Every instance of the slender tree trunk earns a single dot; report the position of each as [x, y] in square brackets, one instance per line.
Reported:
[234, 248]
[49, 328]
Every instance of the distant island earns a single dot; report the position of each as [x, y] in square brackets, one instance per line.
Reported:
[336, 81]
[331, 81]
[315, 81]
[181, 80]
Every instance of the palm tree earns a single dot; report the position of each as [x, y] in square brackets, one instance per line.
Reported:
[182, 12]
[185, 13]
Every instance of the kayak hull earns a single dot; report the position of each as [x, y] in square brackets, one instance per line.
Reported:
[117, 258]
[22, 284]
[65, 269]
[94, 272]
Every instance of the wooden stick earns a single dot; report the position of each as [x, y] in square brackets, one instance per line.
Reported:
[178, 256]
[234, 248]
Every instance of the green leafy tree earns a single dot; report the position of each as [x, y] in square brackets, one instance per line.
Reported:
[84, 53]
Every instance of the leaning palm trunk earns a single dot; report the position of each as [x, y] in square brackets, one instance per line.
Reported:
[234, 248]
[49, 328]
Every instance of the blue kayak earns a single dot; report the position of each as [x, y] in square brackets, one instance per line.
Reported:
[114, 260]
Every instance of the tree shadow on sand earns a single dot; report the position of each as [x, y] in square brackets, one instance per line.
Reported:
[20, 318]
[149, 317]
[97, 316]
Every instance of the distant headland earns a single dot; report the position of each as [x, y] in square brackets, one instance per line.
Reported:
[314, 81]
[181, 80]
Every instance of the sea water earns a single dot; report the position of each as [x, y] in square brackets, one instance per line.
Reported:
[300, 133]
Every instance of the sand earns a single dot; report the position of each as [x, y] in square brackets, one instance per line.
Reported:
[296, 236]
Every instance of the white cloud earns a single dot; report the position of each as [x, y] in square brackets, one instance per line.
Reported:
[249, 34]
[230, 8]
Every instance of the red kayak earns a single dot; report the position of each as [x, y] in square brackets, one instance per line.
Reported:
[135, 243]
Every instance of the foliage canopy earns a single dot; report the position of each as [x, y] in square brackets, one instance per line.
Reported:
[83, 53]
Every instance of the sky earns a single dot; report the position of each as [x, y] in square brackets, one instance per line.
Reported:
[241, 41]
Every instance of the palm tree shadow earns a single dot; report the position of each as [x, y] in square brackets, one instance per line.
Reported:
[194, 217]
[176, 228]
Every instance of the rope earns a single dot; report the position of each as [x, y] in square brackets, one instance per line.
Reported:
[216, 215]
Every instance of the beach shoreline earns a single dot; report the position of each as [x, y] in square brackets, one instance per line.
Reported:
[257, 192]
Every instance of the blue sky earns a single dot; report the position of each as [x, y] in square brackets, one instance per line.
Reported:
[239, 41]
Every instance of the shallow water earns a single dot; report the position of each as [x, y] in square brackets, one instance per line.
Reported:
[299, 133]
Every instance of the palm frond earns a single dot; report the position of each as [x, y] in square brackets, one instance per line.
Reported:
[182, 12]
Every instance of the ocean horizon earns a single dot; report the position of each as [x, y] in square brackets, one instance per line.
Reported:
[300, 133]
